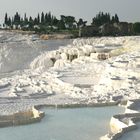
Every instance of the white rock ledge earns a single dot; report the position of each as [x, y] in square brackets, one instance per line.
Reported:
[123, 123]
[21, 118]
[33, 115]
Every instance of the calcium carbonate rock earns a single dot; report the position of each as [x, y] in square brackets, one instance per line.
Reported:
[60, 63]
[94, 55]
[64, 56]
[42, 63]
[90, 49]
[80, 53]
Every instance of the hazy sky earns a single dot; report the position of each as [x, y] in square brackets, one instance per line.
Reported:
[127, 10]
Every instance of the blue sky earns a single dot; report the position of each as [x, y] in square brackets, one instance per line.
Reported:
[127, 10]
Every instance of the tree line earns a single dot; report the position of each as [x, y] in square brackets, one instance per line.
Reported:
[42, 22]
[102, 18]
[48, 23]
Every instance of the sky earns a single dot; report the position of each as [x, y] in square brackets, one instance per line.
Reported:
[127, 10]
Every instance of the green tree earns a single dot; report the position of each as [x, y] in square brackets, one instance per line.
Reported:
[35, 21]
[116, 18]
[25, 21]
[136, 27]
[55, 21]
[38, 19]
[101, 19]
[68, 21]
[6, 19]
[31, 23]
[113, 19]
[9, 21]
[17, 19]
[49, 18]
[81, 23]
[42, 18]
[46, 18]
[61, 25]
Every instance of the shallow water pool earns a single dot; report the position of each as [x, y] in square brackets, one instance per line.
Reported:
[132, 135]
[65, 124]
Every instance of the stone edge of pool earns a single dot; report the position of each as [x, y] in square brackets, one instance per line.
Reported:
[21, 118]
[33, 115]
[123, 123]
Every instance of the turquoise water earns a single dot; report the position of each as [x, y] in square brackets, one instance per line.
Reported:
[133, 135]
[65, 124]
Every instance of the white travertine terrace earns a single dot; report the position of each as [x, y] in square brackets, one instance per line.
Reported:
[123, 123]
[88, 71]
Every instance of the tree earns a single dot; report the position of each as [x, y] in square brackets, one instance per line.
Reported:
[42, 18]
[31, 23]
[49, 18]
[68, 21]
[46, 18]
[25, 21]
[55, 21]
[6, 19]
[38, 19]
[102, 18]
[17, 19]
[81, 23]
[9, 21]
[136, 27]
[113, 19]
[61, 25]
[35, 21]
[116, 18]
